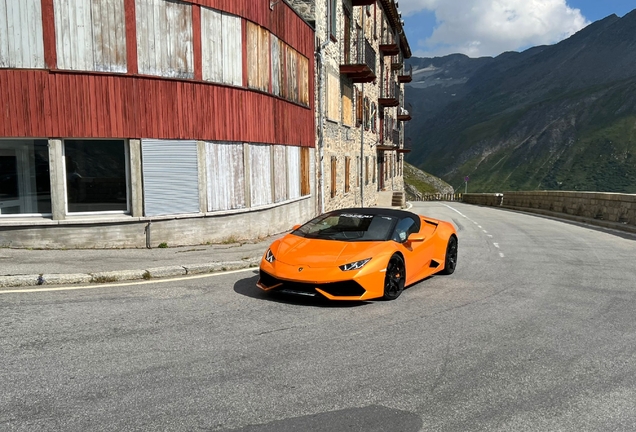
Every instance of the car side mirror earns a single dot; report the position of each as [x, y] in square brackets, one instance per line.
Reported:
[415, 237]
[295, 227]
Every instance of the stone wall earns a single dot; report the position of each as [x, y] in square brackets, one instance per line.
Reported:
[610, 210]
[345, 139]
[483, 199]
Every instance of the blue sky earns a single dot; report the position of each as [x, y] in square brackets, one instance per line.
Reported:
[490, 27]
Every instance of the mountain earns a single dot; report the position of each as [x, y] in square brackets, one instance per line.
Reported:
[418, 183]
[559, 117]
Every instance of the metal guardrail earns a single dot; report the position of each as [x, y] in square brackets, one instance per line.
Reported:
[438, 197]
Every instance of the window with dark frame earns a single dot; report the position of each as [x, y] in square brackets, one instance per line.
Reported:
[334, 167]
[347, 37]
[347, 173]
[333, 20]
[95, 175]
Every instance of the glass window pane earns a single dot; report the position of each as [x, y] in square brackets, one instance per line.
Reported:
[95, 175]
[25, 185]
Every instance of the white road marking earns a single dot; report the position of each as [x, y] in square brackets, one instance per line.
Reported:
[496, 245]
[153, 281]
[455, 210]
[480, 227]
[490, 235]
[501, 254]
[485, 232]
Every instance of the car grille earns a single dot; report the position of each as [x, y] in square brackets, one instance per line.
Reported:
[336, 289]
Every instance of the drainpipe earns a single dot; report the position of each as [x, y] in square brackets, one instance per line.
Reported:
[362, 126]
[321, 120]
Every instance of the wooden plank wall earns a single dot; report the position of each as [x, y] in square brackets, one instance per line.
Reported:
[37, 103]
[69, 104]
[165, 38]
[90, 35]
[21, 39]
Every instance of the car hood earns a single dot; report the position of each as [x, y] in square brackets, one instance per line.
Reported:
[295, 250]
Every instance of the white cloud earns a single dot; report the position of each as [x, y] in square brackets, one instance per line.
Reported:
[490, 27]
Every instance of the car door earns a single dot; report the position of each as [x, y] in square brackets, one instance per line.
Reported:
[417, 254]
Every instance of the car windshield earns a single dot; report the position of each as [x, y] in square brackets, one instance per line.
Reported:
[349, 226]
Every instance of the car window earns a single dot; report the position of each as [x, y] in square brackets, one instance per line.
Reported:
[349, 227]
[403, 229]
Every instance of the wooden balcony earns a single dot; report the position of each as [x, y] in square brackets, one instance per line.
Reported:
[359, 62]
[404, 75]
[390, 97]
[403, 115]
[390, 48]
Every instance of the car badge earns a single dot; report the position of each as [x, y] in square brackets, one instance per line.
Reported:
[300, 269]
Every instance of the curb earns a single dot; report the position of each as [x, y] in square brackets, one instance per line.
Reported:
[31, 280]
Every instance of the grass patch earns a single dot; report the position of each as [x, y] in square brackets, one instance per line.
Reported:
[163, 245]
[104, 279]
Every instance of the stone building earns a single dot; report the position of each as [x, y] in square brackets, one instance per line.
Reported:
[360, 117]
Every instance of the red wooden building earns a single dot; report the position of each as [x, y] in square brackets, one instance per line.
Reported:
[196, 116]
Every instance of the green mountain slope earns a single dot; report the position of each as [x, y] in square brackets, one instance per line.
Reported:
[560, 117]
[419, 183]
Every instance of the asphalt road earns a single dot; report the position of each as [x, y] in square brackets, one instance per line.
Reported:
[535, 331]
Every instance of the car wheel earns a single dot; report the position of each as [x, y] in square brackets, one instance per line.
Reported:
[394, 278]
[450, 262]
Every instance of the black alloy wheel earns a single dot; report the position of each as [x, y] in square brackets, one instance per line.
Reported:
[395, 278]
[450, 263]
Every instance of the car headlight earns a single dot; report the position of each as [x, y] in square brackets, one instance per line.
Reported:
[269, 256]
[355, 265]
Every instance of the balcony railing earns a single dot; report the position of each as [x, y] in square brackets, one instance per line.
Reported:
[359, 60]
[405, 75]
[397, 62]
[389, 95]
[389, 44]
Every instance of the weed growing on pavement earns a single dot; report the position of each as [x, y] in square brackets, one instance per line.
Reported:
[147, 275]
[104, 279]
[163, 245]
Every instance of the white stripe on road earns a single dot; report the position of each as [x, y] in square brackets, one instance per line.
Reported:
[153, 281]
[501, 254]
[455, 210]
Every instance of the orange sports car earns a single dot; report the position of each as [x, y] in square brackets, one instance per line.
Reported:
[359, 254]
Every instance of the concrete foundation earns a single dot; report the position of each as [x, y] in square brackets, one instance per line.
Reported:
[130, 232]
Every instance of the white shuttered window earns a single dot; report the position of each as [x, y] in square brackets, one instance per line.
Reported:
[280, 173]
[171, 177]
[293, 172]
[91, 35]
[276, 66]
[21, 36]
[260, 174]
[226, 176]
[221, 46]
[164, 38]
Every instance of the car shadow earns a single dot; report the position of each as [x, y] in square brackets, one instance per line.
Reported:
[247, 287]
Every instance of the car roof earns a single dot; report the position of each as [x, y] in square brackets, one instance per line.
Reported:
[378, 211]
